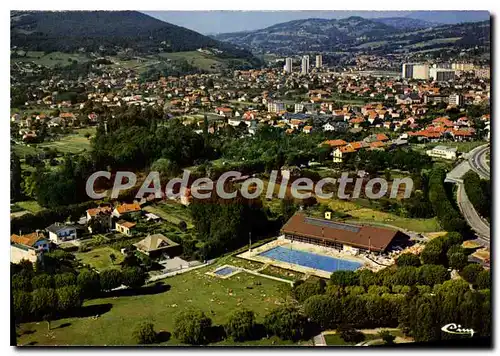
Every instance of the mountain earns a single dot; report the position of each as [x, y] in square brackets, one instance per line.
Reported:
[450, 16]
[310, 34]
[109, 32]
[356, 34]
[405, 23]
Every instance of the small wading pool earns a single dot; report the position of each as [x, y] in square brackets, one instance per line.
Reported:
[311, 260]
[225, 271]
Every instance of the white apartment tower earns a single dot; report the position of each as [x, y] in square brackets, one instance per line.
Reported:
[305, 64]
[319, 61]
[288, 65]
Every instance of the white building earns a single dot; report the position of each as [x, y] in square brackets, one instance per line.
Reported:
[275, 106]
[407, 71]
[60, 232]
[288, 65]
[305, 64]
[455, 99]
[421, 71]
[443, 152]
[319, 61]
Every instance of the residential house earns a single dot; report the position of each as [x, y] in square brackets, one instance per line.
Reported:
[124, 227]
[126, 209]
[59, 232]
[28, 247]
[158, 245]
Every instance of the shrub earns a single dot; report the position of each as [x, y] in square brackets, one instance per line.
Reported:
[349, 334]
[408, 259]
[471, 271]
[285, 322]
[145, 334]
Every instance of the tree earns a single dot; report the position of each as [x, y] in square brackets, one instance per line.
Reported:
[432, 274]
[145, 333]
[408, 259]
[191, 326]
[133, 277]
[344, 278]
[15, 177]
[43, 302]
[241, 324]
[21, 282]
[21, 304]
[64, 279]
[387, 337]
[112, 257]
[302, 291]
[42, 281]
[432, 254]
[471, 271]
[110, 279]
[325, 310]
[69, 298]
[483, 280]
[457, 261]
[285, 322]
[89, 283]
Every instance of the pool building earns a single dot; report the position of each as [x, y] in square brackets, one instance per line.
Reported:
[343, 237]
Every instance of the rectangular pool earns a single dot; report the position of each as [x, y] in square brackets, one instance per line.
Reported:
[311, 260]
[225, 271]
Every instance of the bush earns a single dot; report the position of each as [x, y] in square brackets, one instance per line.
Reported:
[21, 304]
[351, 335]
[457, 261]
[68, 298]
[240, 326]
[192, 326]
[145, 334]
[21, 282]
[387, 337]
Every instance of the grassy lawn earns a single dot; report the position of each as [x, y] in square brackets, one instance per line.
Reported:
[74, 143]
[51, 59]
[363, 214]
[197, 59]
[99, 258]
[218, 298]
[29, 205]
[282, 273]
[23, 150]
[171, 212]
[336, 340]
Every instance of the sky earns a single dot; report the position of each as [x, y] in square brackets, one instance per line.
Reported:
[213, 22]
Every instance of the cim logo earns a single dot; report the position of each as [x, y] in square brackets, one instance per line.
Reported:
[457, 329]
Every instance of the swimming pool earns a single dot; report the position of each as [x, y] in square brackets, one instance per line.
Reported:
[311, 260]
[225, 271]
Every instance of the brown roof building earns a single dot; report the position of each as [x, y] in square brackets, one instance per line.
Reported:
[335, 234]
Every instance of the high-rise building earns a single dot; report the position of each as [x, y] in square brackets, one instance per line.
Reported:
[319, 61]
[420, 71]
[462, 66]
[288, 65]
[275, 106]
[407, 71]
[305, 64]
[455, 99]
[442, 74]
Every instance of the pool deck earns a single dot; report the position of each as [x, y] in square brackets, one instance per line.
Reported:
[253, 255]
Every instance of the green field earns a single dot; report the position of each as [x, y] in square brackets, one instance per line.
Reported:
[218, 298]
[99, 258]
[73, 143]
[461, 146]
[171, 212]
[51, 59]
[30, 205]
[200, 60]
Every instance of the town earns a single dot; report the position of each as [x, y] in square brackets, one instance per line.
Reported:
[172, 267]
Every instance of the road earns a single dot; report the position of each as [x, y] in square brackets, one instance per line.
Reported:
[478, 224]
[477, 161]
